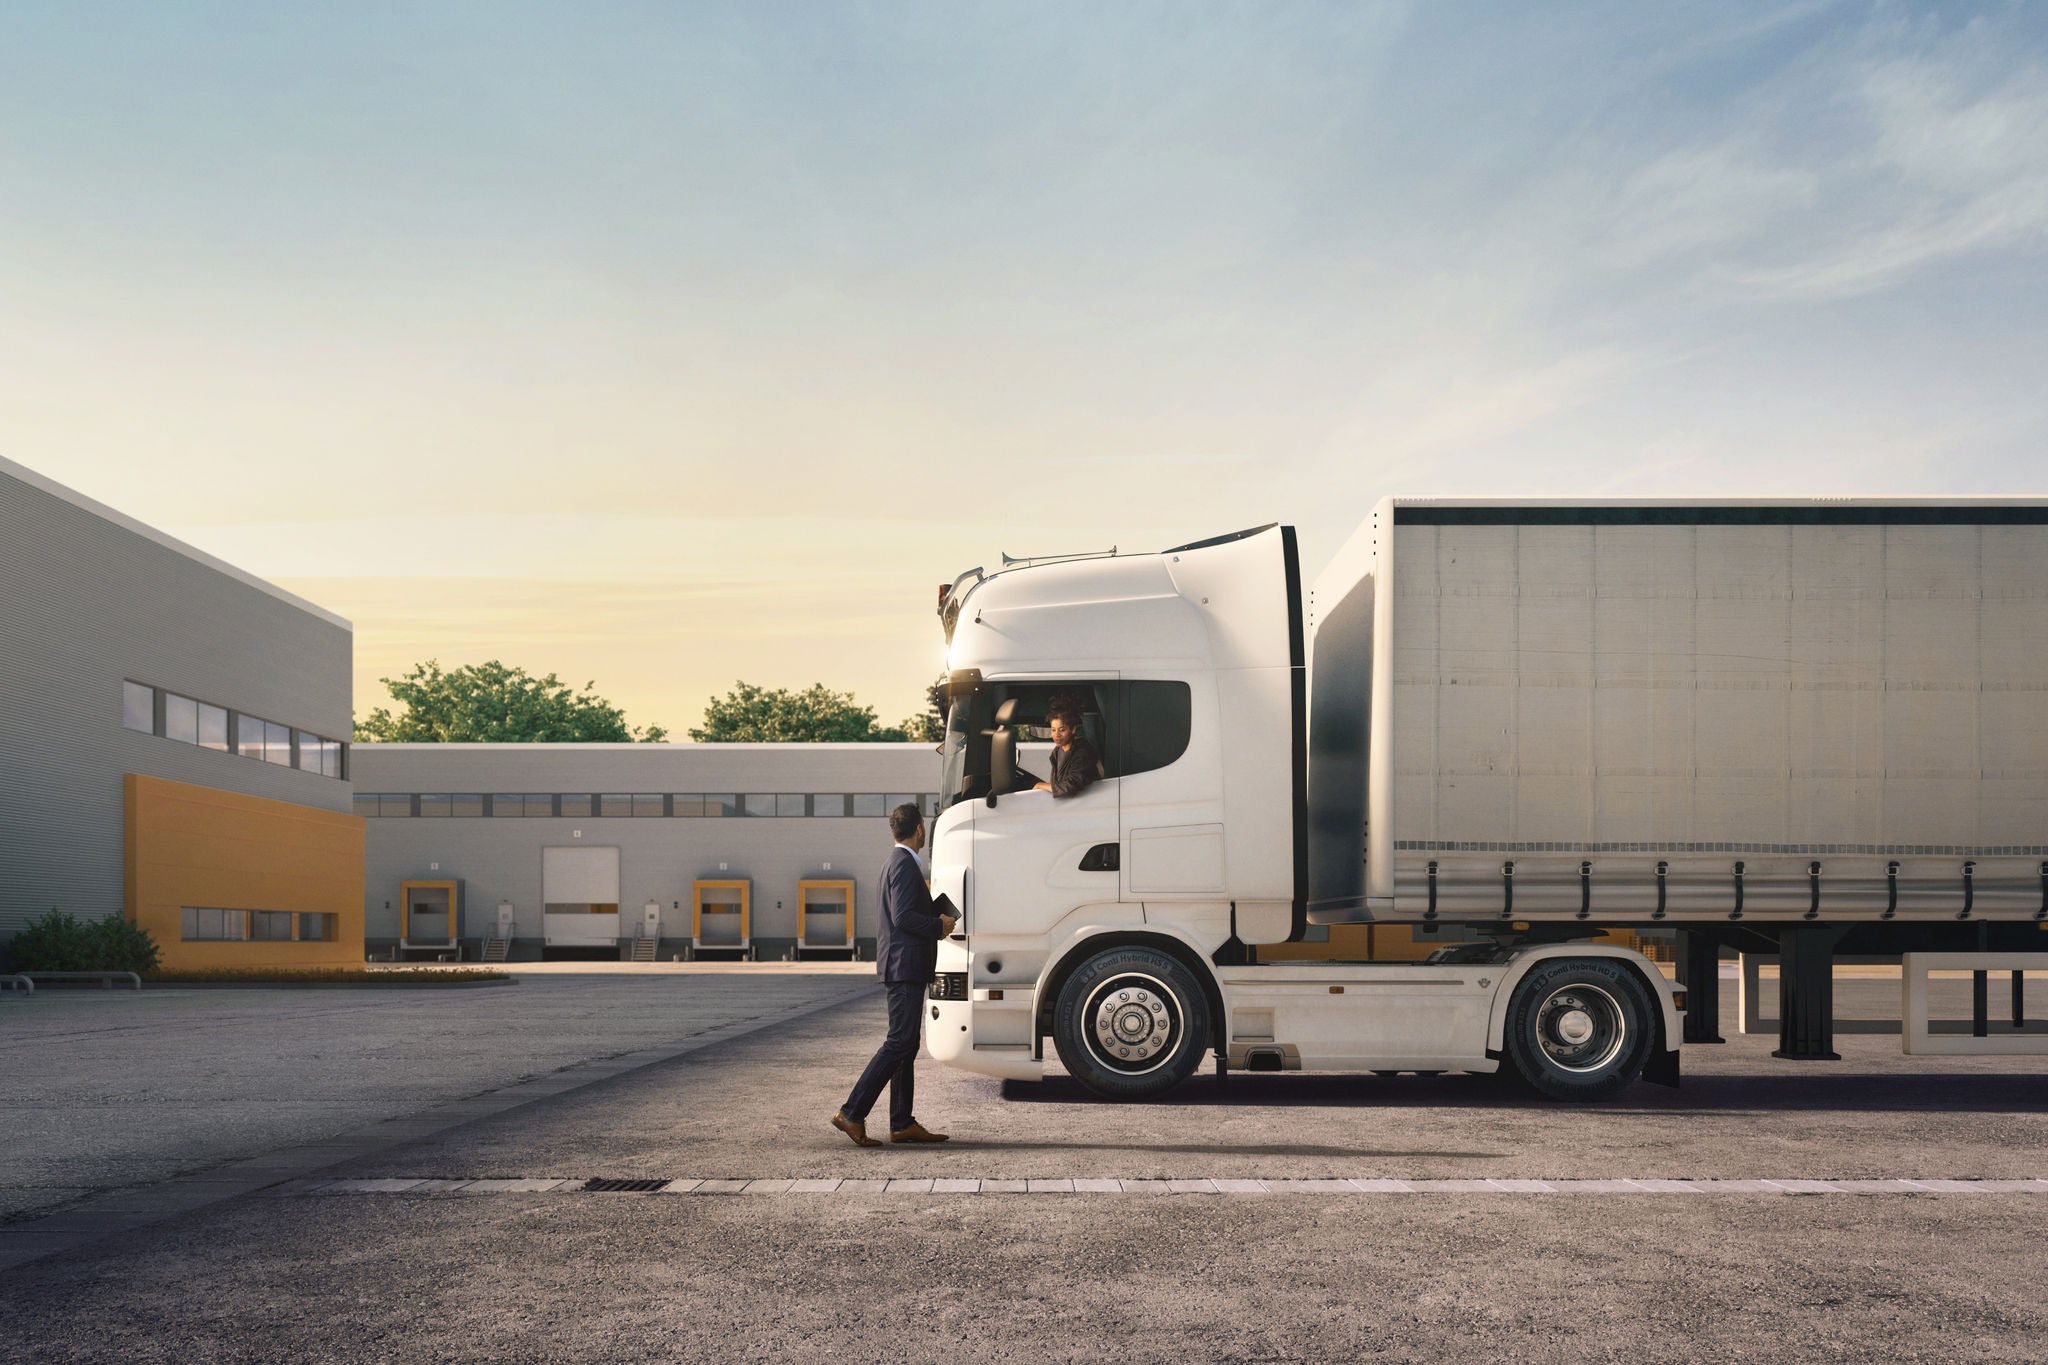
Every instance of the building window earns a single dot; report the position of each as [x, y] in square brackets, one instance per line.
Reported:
[385, 805]
[181, 718]
[788, 803]
[825, 803]
[138, 707]
[523, 805]
[905, 799]
[576, 805]
[316, 928]
[443, 805]
[648, 805]
[157, 711]
[205, 925]
[758, 803]
[625, 805]
[213, 728]
[870, 804]
[270, 926]
[706, 804]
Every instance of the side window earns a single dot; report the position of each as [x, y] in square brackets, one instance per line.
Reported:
[1154, 720]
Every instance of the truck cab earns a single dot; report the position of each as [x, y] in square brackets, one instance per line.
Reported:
[1122, 921]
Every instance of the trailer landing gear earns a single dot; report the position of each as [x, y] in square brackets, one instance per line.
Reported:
[1806, 994]
[1699, 971]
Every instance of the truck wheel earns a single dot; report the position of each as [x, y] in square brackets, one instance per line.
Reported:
[1580, 1028]
[1131, 1023]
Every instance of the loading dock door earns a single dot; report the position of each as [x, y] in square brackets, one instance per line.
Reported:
[580, 897]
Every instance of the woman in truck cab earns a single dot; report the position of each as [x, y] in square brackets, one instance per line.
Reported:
[1075, 764]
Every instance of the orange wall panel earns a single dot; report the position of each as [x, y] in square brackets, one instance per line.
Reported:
[198, 846]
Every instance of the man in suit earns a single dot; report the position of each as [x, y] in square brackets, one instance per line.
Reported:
[1075, 764]
[906, 954]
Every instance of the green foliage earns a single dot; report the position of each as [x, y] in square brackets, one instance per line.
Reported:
[124, 946]
[491, 703]
[929, 726]
[61, 942]
[816, 715]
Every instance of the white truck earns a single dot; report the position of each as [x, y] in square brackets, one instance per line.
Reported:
[1790, 727]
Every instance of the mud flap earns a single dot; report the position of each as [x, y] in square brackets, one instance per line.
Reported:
[1662, 1068]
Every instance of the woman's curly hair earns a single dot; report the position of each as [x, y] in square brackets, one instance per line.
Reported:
[1069, 703]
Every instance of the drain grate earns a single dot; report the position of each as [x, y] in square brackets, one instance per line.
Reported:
[623, 1186]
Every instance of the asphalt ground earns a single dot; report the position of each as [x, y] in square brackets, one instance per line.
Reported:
[116, 1090]
[287, 1274]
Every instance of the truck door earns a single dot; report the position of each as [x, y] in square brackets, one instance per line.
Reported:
[1038, 857]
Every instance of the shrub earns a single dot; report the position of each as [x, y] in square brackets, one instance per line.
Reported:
[61, 942]
[124, 946]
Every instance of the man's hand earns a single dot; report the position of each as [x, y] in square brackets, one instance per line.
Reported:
[946, 923]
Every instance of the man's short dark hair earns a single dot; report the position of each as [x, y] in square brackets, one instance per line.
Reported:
[904, 820]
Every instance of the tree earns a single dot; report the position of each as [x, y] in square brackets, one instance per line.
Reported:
[816, 715]
[929, 725]
[491, 703]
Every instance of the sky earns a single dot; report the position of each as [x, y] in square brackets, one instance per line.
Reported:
[662, 345]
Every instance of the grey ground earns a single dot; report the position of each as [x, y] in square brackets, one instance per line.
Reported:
[1281, 1276]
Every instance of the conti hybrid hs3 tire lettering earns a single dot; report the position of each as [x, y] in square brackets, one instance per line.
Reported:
[1131, 1023]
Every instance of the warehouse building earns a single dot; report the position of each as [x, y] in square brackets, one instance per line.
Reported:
[660, 851]
[172, 741]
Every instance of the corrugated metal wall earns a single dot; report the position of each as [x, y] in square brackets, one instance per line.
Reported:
[86, 602]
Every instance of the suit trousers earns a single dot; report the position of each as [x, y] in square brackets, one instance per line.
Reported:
[893, 1062]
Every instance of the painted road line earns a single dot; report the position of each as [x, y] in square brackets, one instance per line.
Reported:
[1200, 1186]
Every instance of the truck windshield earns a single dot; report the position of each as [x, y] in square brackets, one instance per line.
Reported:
[964, 753]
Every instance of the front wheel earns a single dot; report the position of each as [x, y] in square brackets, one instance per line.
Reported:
[1580, 1028]
[1131, 1023]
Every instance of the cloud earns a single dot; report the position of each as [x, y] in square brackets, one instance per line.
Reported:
[1882, 155]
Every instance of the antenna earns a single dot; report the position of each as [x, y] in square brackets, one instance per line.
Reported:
[1011, 561]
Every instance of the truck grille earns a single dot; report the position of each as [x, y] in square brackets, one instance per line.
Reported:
[949, 986]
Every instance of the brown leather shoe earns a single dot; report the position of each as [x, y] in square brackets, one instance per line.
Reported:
[854, 1129]
[917, 1132]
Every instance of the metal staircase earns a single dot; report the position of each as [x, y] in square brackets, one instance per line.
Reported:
[643, 949]
[496, 949]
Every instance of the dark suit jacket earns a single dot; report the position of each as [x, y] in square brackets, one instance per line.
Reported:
[906, 941]
[1075, 769]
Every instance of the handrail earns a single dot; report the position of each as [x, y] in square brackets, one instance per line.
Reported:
[106, 979]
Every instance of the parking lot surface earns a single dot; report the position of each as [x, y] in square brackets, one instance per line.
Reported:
[526, 1268]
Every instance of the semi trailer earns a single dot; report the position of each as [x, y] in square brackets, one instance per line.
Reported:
[1802, 728]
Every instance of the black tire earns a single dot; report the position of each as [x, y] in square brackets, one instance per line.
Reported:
[1580, 1028]
[1137, 1002]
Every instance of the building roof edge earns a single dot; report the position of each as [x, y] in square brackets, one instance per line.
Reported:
[46, 484]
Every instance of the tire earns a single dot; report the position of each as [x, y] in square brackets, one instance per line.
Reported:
[1580, 1028]
[1131, 1023]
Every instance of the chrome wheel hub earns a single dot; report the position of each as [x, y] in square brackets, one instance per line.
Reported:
[1133, 1023]
[1581, 1028]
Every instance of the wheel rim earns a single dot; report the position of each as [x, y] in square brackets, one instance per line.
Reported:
[1132, 1023]
[1581, 1028]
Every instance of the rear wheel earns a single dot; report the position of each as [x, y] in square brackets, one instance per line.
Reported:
[1131, 1023]
[1580, 1028]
